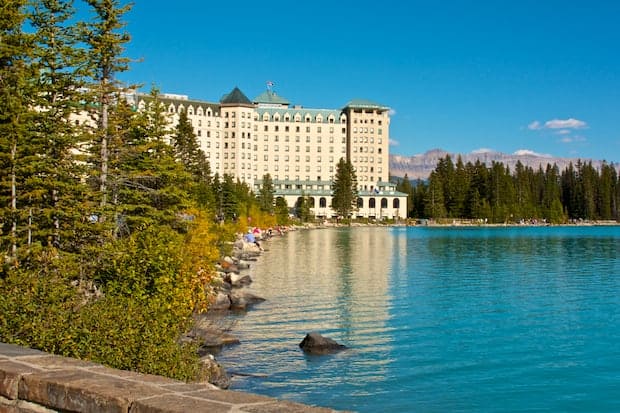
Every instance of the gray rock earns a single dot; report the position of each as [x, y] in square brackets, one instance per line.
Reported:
[215, 372]
[240, 280]
[315, 343]
[222, 302]
[241, 300]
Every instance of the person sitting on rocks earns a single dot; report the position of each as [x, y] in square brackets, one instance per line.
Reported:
[249, 237]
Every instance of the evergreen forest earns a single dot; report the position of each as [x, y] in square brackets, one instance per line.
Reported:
[494, 194]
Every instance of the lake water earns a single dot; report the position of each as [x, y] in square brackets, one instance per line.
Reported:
[437, 319]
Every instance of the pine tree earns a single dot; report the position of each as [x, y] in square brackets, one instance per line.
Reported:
[265, 195]
[404, 185]
[106, 41]
[344, 196]
[281, 211]
[54, 189]
[15, 105]
[187, 150]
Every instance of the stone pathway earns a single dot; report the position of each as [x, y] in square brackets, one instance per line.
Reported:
[37, 382]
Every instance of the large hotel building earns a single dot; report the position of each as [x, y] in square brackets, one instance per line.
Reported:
[297, 146]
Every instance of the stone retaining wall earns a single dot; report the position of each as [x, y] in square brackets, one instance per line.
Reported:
[35, 382]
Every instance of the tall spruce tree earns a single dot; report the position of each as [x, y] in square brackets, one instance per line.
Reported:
[265, 195]
[344, 195]
[106, 39]
[15, 106]
[54, 189]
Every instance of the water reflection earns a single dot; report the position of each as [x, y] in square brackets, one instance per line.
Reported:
[334, 281]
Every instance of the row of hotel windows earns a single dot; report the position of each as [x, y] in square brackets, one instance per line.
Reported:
[372, 203]
[276, 148]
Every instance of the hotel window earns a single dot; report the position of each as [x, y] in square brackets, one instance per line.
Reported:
[318, 149]
[286, 138]
[286, 168]
[318, 129]
[307, 168]
[265, 168]
[266, 148]
[276, 128]
[208, 134]
[318, 139]
[199, 132]
[296, 158]
[307, 149]
[307, 158]
[331, 149]
[296, 148]
[286, 148]
[233, 123]
[266, 128]
[266, 138]
[276, 138]
[208, 154]
[331, 139]
[217, 144]
[233, 114]
[331, 169]
[275, 148]
[276, 158]
[297, 138]
[286, 158]
[266, 157]
[276, 167]
[308, 139]
[318, 159]
[286, 129]
[297, 169]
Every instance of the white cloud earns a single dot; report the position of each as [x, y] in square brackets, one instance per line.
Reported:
[394, 142]
[564, 124]
[563, 132]
[392, 112]
[534, 125]
[569, 123]
[528, 152]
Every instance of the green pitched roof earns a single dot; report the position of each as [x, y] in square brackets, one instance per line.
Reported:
[364, 104]
[236, 96]
[270, 97]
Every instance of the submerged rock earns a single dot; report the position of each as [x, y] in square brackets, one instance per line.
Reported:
[315, 343]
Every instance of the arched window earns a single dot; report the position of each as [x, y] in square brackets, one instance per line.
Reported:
[396, 203]
[360, 202]
[311, 201]
[371, 203]
[322, 202]
[384, 203]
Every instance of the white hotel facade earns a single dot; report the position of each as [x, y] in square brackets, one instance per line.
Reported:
[298, 147]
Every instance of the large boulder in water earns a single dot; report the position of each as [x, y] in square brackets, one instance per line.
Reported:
[241, 300]
[314, 343]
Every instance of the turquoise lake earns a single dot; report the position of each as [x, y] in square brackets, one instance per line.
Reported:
[437, 319]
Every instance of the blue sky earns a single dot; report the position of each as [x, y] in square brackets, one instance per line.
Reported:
[540, 76]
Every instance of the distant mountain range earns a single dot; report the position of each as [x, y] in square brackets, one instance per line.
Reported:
[421, 166]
